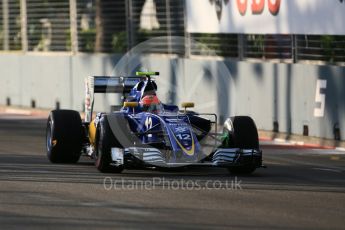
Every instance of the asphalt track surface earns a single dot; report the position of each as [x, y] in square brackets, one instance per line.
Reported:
[301, 189]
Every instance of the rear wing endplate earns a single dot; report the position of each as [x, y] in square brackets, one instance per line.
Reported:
[105, 84]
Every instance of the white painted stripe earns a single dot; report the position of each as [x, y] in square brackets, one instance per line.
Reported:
[330, 170]
[340, 149]
[18, 111]
[283, 142]
[327, 152]
[279, 140]
[301, 143]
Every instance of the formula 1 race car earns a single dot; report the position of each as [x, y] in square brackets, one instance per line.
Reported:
[148, 133]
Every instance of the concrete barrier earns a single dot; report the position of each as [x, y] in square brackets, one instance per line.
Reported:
[291, 98]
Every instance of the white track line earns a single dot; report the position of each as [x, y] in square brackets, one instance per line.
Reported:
[330, 170]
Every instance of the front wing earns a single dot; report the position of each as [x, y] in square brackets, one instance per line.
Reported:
[230, 157]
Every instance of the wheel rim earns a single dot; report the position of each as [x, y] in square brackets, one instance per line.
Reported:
[98, 154]
[49, 140]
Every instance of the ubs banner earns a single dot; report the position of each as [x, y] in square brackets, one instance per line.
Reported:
[266, 16]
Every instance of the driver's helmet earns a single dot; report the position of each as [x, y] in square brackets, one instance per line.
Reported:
[150, 103]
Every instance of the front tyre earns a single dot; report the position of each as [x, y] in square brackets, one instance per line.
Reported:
[64, 136]
[106, 140]
[244, 135]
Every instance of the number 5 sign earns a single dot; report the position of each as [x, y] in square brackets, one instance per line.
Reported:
[320, 98]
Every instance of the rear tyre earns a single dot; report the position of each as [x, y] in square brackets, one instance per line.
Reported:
[64, 136]
[243, 136]
[106, 140]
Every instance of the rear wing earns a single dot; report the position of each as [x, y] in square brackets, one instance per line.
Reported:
[105, 84]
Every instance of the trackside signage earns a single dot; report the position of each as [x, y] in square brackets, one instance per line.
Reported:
[266, 16]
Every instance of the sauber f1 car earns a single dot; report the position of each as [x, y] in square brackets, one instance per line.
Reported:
[148, 133]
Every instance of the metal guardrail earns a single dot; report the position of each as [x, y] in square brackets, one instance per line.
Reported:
[10, 25]
[101, 26]
[225, 45]
[111, 26]
[321, 48]
[268, 46]
[48, 25]
[160, 18]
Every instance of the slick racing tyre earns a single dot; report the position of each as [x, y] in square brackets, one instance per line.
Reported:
[106, 140]
[244, 136]
[64, 136]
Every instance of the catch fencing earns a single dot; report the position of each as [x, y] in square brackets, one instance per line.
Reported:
[108, 26]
